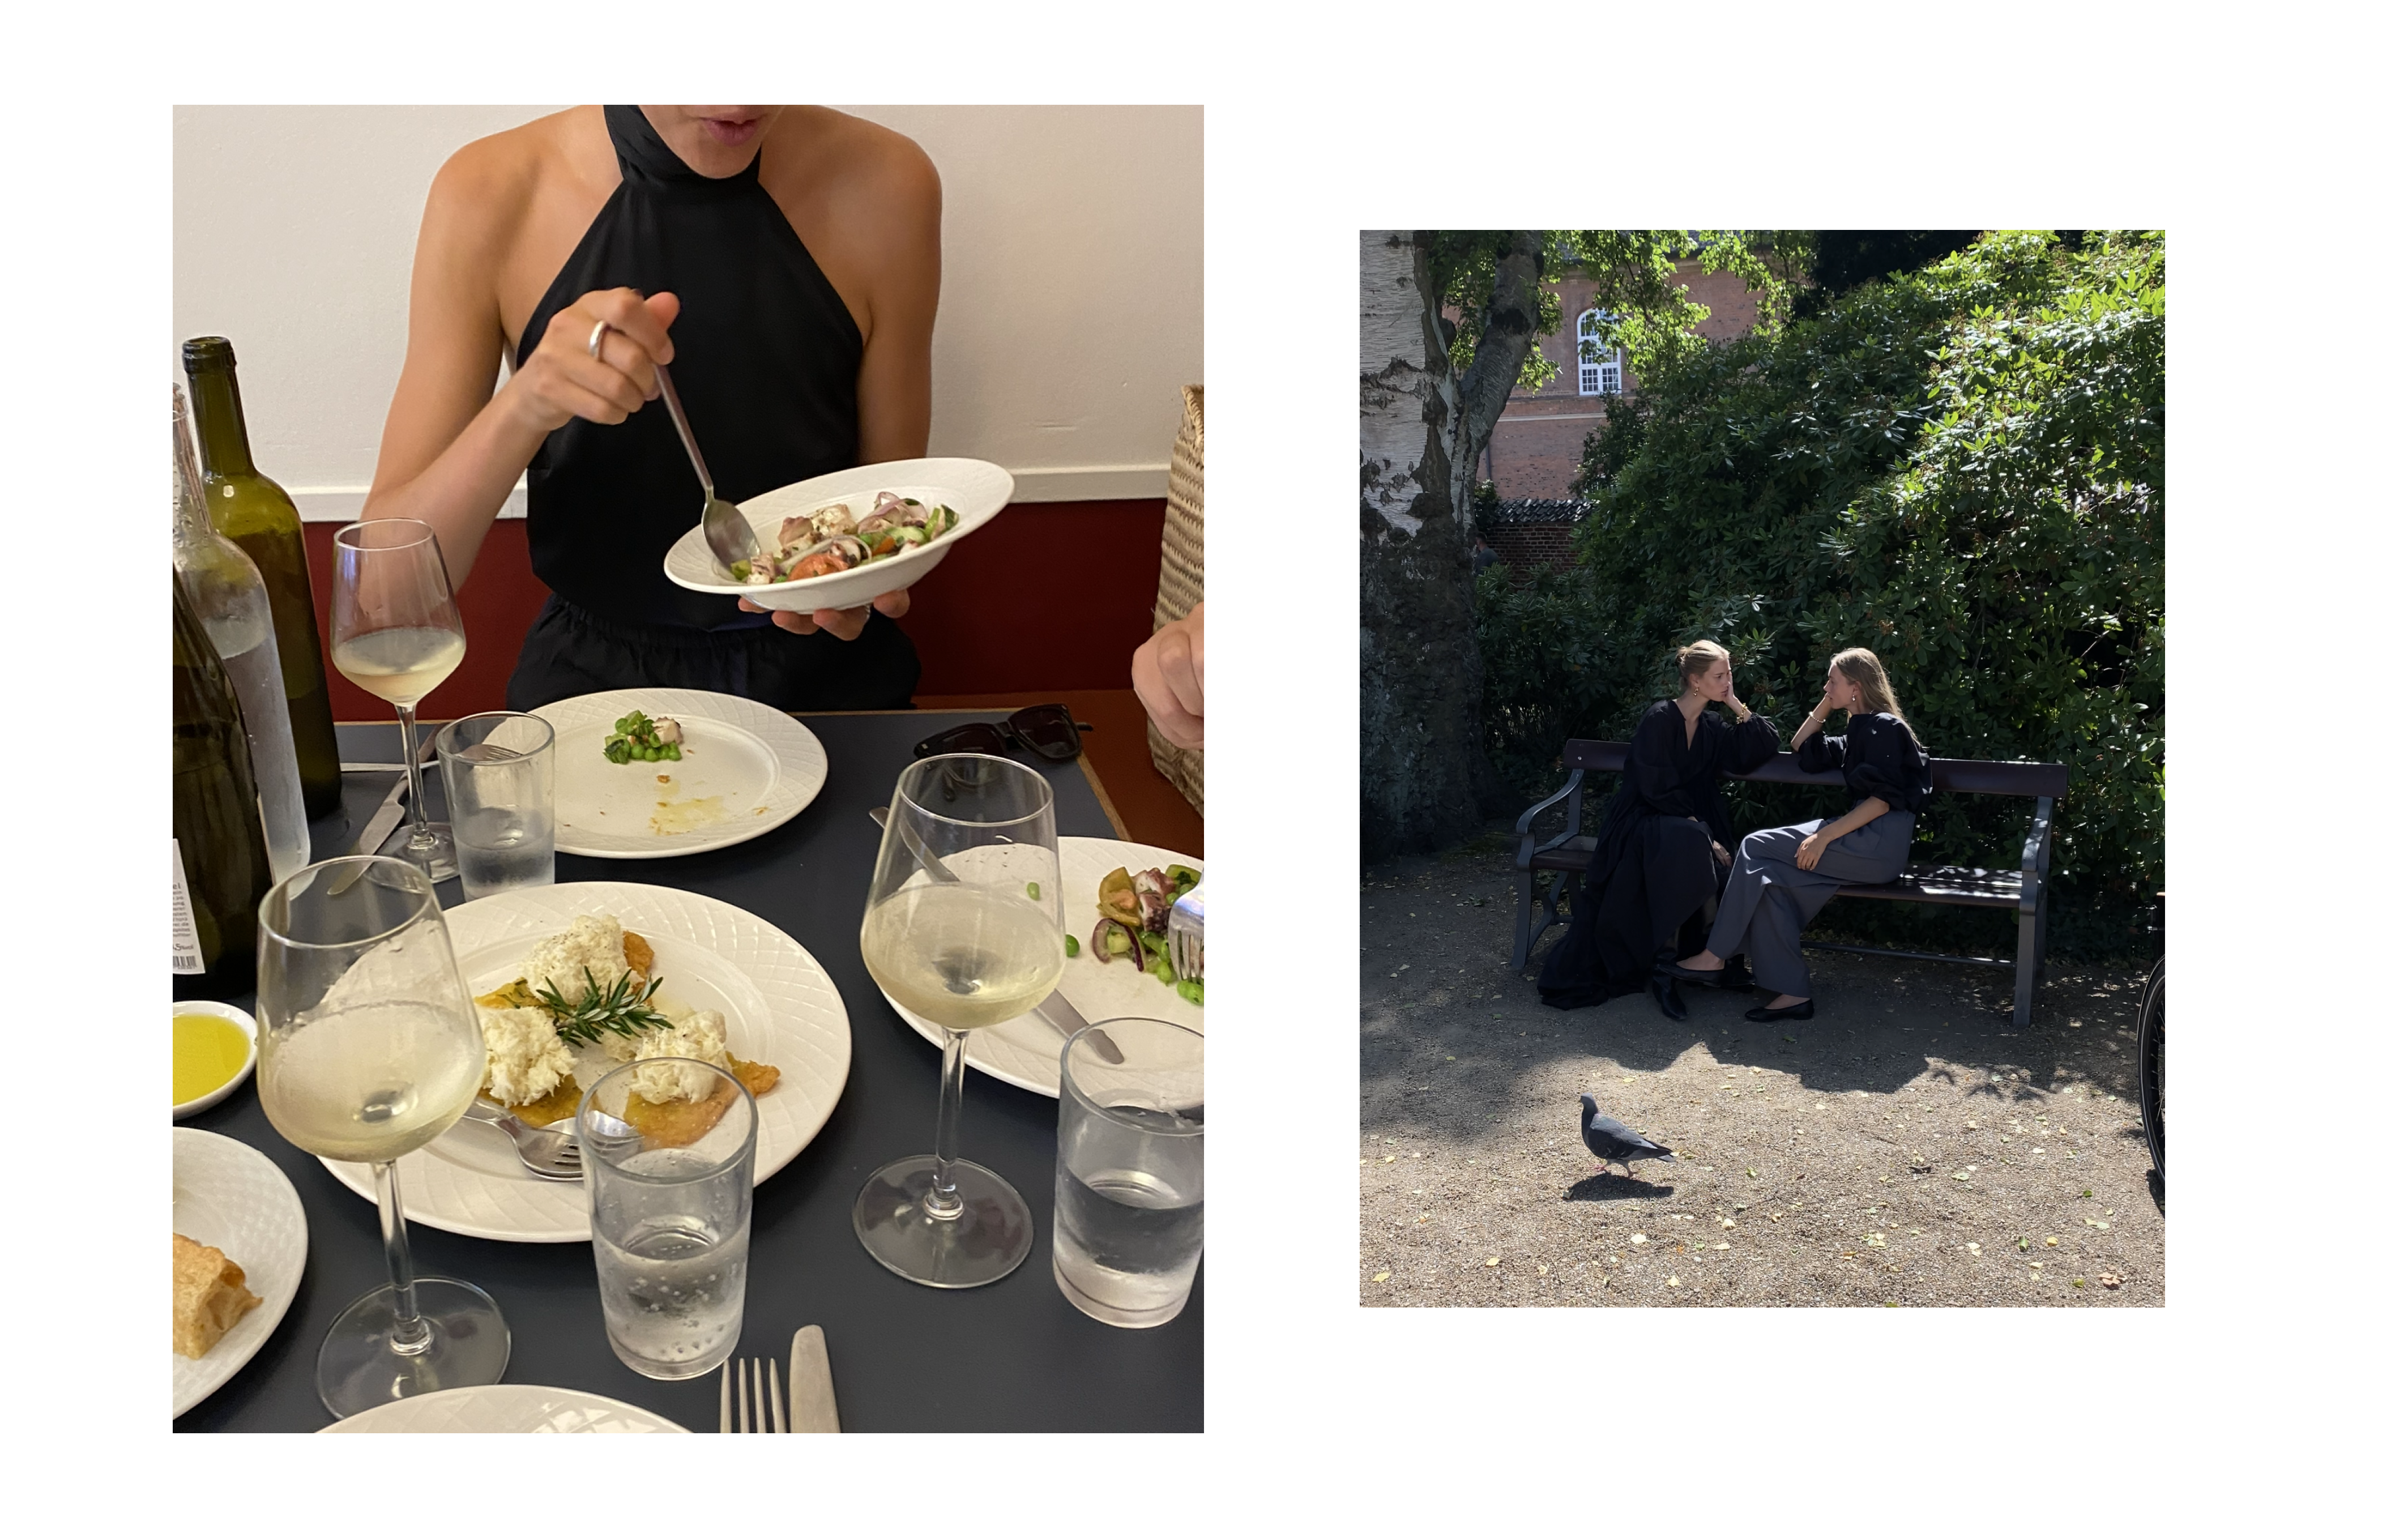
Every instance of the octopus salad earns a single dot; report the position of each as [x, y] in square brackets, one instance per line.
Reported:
[831, 539]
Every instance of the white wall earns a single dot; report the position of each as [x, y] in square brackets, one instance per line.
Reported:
[1072, 313]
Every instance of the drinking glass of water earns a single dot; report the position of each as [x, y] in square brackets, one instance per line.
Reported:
[498, 776]
[1128, 1177]
[670, 1190]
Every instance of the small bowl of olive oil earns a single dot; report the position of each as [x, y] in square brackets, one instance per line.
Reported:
[216, 1045]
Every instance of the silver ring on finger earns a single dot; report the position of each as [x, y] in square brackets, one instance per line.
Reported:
[593, 342]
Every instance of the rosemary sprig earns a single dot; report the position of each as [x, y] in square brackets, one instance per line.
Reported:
[621, 1011]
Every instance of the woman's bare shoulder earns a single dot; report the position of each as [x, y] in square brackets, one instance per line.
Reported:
[490, 185]
[865, 168]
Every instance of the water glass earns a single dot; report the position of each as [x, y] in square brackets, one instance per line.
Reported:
[671, 1202]
[1128, 1178]
[497, 778]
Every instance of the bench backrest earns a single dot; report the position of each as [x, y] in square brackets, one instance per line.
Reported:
[1973, 776]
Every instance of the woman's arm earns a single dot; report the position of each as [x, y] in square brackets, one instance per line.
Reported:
[1832, 832]
[888, 220]
[453, 445]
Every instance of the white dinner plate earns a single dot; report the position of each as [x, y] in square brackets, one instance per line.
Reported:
[506, 1407]
[781, 1007]
[1027, 1051]
[746, 770]
[230, 1195]
[973, 488]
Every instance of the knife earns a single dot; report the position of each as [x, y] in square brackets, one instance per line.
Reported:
[1053, 1009]
[810, 1388]
[381, 822]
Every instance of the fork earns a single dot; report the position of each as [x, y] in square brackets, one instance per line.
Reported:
[1187, 934]
[753, 1414]
[549, 1156]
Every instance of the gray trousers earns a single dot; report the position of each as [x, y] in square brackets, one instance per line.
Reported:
[1770, 901]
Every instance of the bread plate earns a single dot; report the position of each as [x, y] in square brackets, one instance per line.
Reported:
[231, 1196]
[974, 489]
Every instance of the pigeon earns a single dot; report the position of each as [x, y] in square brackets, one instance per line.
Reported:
[1613, 1143]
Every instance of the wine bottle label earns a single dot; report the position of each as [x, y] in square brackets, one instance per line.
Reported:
[188, 937]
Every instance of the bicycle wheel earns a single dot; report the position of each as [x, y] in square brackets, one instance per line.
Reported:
[2153, 1065]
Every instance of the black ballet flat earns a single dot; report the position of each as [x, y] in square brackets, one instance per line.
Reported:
[1667, 997]
[1688, 975]
[1796, 1012]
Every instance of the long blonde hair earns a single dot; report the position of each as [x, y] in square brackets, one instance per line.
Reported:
[1862, 669]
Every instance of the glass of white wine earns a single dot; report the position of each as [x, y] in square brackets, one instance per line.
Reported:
[370, 1047]
[397, 635]
[963, 928]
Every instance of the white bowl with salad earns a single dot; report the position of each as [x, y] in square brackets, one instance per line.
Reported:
[839, 540]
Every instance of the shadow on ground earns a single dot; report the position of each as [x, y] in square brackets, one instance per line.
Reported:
[1885, 1152]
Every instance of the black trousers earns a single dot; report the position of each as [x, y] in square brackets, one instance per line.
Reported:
[571, 651]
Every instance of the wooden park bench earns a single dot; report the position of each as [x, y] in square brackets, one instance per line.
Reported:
[1563, 858]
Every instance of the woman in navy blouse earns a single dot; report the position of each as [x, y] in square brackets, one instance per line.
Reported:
[1783, 875]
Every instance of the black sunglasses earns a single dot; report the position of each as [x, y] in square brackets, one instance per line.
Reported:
[1046, 730]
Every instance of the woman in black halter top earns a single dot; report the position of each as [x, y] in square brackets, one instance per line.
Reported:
[692, 259]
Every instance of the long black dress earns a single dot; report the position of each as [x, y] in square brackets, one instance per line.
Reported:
[1654, 866]
[768, 358]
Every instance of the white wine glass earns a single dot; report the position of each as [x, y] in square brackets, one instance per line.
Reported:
[368, 1048]
[397, 635]
[964, 928]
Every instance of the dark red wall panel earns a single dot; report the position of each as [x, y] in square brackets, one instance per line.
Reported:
[1050, 596]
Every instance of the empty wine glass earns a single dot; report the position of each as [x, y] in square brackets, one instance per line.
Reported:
[397, 635]
[370, 1047]
[964, 928]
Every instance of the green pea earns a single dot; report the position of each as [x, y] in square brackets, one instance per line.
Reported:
[1070, 946]
[1032, 895]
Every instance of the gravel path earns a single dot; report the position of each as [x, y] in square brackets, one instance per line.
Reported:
[1908, 1146]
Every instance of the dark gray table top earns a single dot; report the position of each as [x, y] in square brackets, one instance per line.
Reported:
[1014, 1355]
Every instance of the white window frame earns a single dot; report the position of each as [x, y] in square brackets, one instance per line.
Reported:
[1600, 374]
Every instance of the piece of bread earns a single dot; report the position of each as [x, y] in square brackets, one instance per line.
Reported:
[209, 1296]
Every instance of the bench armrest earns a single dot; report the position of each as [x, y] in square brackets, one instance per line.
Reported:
[1530, 846]
[2036, 848]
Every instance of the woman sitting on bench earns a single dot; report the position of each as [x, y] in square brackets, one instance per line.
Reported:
[1786, 874]
[1664, 846]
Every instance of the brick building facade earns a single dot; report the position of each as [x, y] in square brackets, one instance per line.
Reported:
[1535, 449]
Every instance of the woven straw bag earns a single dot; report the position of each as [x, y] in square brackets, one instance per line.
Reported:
[1182, 577]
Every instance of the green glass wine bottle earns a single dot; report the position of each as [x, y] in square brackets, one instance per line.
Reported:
[254, 511]
[221, 852]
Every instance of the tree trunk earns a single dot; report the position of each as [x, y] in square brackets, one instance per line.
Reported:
[1422, 768]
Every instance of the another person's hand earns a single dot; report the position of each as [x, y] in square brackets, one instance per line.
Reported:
[843, 624]
[567, 376]
[1811, 850]
[1168, 673]
[1722, 855]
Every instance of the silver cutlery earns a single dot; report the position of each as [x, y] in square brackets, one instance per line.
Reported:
[752, 1412]
[809, 1382]
[1053, 1009]
[383, 821]
[1187, 934]
[552, 1156]
[724, 528]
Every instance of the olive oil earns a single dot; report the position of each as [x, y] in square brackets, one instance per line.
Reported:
[210, 1050]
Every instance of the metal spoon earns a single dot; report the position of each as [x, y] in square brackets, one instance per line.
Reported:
[553, 1156]
[725, 529]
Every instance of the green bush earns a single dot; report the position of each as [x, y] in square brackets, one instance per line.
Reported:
[1961, 468]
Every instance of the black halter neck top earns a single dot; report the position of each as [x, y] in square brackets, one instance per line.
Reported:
[768, 357]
